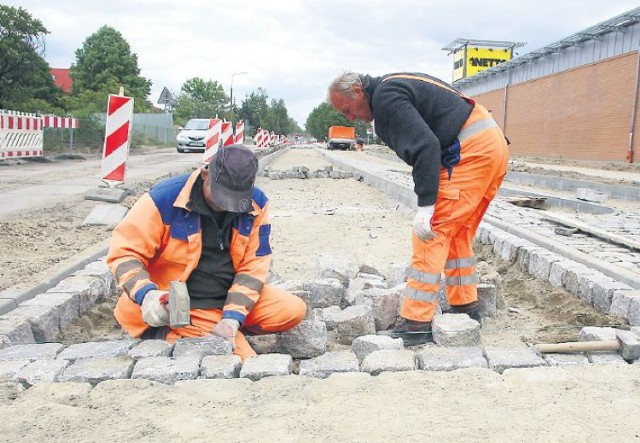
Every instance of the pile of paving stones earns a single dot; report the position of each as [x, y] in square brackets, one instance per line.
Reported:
[346, 306]
[302, 172]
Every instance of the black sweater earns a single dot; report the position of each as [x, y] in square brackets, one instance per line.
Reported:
[419, 120]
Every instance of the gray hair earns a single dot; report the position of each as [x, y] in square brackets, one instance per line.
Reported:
[344, 82]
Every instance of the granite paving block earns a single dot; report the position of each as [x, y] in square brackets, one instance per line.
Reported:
[167, 369]
[87, 288]
[365, 345]
[44, 320]
[97, 349]
[267, 365]
[17, 329]
[201, 346]
[265, 344]
[389, 361]
[501, 358]
[96, 370]
[31, 352]
[220, 366]
[67, 305]
[151, 348]
[605, 358]
[9, 368]
[308, 339]
[329, 363]
[41, 371]
[455, 330]
[565, 359]
[445, 358]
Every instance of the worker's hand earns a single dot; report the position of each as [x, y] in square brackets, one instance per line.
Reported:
[422, 223]
[155, 310]
[227, 328]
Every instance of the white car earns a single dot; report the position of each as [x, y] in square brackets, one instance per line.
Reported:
[193, 136]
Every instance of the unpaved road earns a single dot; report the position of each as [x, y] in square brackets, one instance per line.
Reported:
[336, 217]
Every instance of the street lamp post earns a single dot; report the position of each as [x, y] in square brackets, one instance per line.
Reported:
[231, 88]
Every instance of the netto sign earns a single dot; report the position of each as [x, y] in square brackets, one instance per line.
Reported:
[469, 60]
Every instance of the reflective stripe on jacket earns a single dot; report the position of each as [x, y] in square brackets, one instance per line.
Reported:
[160, 240]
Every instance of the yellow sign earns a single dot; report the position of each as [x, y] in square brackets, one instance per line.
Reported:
[479, 58]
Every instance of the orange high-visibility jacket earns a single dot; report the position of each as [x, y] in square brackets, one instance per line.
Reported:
[160, 240]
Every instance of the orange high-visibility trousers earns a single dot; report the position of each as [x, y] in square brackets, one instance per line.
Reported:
[275, 311]
[463, 198]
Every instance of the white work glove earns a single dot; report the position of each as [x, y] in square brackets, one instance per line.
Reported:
[227, 328]
[422, 223]
[155, 310]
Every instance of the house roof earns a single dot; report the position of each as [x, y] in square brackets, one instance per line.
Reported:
[61, 78]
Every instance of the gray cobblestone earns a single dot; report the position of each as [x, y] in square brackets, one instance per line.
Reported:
[389, 361]
[365, 345]
[268, 365]
[220, 366]
[96, 370]
[167, 370]
[329, 363]
[41, 371]
[441, 358]
[101, 349]
[31, 352]
[151, 348]
[502, 358]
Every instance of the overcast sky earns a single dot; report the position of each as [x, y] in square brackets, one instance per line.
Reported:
[294, 48]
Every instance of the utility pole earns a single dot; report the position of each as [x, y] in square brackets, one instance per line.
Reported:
[231, 88]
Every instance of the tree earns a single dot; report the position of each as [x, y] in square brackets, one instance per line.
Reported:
[200, 99]
[254, 111]
[103, 65]
[324, 115]
[25, 82]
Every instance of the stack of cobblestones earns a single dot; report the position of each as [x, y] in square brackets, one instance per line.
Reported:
[302, 172]
[347, 306]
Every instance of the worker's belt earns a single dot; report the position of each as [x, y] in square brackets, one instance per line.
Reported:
[476, 127]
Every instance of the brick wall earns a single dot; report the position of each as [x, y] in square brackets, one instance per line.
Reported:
[582, 113]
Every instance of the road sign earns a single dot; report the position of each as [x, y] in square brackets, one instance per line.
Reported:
[165, 97]
[369, 131]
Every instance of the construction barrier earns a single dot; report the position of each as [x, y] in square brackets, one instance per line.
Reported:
[20, 135]
[53, 121]
[116, 142]
[227, 134]
[212, 139]
[258, 138]
[239, 137]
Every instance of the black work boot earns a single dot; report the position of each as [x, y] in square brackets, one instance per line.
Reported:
[411, 332]
[471, 309]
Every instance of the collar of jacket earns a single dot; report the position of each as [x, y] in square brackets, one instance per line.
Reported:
[185, 194]
[371, 84]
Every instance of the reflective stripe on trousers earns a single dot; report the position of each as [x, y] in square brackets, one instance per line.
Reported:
[462, 201]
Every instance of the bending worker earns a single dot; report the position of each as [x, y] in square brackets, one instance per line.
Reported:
[211, 230]
[459, 159]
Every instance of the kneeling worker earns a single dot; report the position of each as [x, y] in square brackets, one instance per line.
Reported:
[211, 230]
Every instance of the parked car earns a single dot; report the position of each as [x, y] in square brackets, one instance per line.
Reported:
[193, 136]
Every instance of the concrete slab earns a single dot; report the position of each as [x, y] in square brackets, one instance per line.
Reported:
[110, 195]
[106, 215]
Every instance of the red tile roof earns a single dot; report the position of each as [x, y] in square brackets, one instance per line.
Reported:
[62, 78]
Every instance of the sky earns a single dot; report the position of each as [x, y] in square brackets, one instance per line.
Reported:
[294, 48]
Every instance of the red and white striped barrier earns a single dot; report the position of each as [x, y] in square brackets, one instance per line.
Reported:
[20, 135]
[258, 138]
[212, 139]
[239, 137]
[227, 134]
[272, 139]
[53, 121]
[116, 141]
